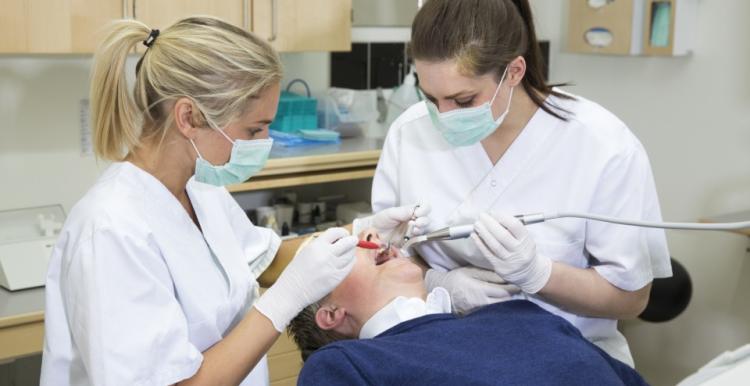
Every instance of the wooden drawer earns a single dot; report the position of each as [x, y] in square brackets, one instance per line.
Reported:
[285, 382]
[284, 361]
[22, 339]
[283, 345]
[284, 365]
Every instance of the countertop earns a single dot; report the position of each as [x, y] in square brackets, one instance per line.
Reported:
[21, 306]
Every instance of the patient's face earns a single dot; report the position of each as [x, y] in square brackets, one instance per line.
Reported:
[379, 256]
[377, 278]
[377, 268]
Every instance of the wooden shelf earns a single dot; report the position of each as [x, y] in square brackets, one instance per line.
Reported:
[21, 339]
[15, 320]
[298, 179]
[311, 163]
[353, 159]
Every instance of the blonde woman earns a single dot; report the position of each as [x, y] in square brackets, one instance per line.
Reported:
[153, 279]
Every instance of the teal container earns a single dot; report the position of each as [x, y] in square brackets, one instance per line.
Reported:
[295, 113]
[660, 22]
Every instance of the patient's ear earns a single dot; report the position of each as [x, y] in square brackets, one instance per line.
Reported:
[329, 317]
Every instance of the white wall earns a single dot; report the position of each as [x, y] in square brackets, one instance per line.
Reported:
[692, 116]
[40, 156]
[383, 12]
[313, 67]
[40, 153]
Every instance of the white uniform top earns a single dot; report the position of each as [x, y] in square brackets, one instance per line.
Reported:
[591, 163]
[135, 292]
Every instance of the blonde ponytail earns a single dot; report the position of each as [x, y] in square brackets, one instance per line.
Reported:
[113, 112]
[219, 66]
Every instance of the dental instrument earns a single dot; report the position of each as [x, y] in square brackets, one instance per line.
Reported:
[463, 231]
[404, 230]
[449, 233]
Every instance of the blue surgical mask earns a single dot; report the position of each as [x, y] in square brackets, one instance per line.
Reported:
[248, 158]
[467, 126]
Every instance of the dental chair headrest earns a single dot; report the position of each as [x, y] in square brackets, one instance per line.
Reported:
[669, 296]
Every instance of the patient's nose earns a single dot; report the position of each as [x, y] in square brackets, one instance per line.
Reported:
[374, 237]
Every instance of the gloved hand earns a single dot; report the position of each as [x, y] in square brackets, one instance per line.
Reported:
[412, 218]
[504, 241]
[312, 274]
[471, 287]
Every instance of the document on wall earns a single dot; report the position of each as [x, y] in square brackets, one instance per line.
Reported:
[87, 148]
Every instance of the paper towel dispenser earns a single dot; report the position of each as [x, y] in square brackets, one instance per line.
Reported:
[632, 27]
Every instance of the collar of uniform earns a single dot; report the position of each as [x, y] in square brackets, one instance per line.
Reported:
[402, 309]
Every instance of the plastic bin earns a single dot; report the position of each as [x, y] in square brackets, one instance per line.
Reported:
[347, 111]
[295, 112]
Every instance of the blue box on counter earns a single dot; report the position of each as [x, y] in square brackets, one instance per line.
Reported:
[295, 113]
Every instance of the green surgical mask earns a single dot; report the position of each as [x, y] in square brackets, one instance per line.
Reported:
[467, 126]
[248, 158]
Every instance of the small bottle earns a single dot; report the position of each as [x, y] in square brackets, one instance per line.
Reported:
[316, 215]
[273, 225]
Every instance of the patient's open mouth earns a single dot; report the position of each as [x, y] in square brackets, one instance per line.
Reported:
[384, 255]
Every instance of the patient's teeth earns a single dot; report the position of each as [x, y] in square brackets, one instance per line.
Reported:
[381, 257]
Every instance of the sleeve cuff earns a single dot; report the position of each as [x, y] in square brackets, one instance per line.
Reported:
[260, 265]
[626, 281]
[175, 373]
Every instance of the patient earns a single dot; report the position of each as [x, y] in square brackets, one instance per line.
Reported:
[406, 336]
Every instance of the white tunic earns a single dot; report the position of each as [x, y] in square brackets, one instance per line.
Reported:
[136, 292]
[591, 163]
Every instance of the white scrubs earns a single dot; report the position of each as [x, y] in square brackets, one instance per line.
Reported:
[591, 163]
[136, 292]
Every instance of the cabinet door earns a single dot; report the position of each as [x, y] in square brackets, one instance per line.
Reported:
[55, 26]
[161, 14]
[304, 25]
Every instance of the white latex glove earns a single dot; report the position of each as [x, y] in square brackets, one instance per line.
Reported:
[312, 274]
[412, 218]
[471, 287]
[507, 245]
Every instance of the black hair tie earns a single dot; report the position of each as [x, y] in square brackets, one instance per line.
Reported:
[151, 38]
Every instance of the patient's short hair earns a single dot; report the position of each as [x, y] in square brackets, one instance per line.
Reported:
[306, 333]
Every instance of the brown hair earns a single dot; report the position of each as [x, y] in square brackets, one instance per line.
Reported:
[483, 36]
[306, 333]
[217, 65]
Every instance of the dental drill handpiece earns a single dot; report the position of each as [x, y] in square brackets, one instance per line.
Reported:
[464, 231]
[448, 233]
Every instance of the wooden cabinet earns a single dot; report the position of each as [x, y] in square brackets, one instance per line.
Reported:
[74, 26]
[55, 26]
[304, 25]
[289, 25]
[161, 14]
